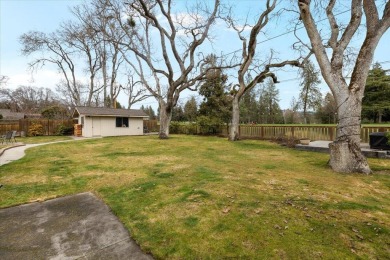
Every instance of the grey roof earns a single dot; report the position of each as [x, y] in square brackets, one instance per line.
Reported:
[8, 115]
[103, 111]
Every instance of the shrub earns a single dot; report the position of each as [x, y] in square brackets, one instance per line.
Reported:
[209, 125]
[174, 128]
[288, 141]
[388, 137]
[55, 112]
[35, 129]
[64, 130]
[205, 127]
[192, 129]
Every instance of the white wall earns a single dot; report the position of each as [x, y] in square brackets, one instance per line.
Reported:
[108, 127]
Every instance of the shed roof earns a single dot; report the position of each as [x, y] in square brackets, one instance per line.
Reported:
[103, 111]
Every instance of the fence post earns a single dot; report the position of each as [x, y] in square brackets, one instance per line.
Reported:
[21, 127]
[26, 126]
[292, 132]
[331, 133]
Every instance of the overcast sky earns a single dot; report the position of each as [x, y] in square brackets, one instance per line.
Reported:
[20, 16]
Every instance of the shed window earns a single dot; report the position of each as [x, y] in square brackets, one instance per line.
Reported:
[122, 122]
[82, 120]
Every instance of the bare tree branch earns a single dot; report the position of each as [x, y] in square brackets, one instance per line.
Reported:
[247, 63]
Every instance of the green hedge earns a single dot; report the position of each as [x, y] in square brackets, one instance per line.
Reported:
[195, 129]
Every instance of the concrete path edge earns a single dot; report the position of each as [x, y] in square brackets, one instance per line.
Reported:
[10, 147]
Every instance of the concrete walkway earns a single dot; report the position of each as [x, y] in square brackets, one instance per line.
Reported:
[73, 227]
[14, 153]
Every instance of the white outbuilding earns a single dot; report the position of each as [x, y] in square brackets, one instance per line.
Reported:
[99, 121]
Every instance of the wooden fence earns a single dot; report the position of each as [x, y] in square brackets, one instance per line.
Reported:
[50, 127]
[9, 126]
[325, 133]
[151, 125]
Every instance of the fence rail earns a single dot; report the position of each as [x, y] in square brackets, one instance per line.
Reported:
[50, 127]
[326, 133]
[9, 126]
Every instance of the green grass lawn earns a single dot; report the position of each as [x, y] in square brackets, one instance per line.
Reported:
[195, 197]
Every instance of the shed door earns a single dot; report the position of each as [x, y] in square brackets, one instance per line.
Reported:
[96, 126]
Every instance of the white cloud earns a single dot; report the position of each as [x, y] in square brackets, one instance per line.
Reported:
[46, 78]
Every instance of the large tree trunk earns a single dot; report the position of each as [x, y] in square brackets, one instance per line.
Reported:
[234, 134]
[165, 120]
[345, 152]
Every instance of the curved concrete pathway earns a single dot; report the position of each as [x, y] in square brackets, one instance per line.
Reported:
[15, 153]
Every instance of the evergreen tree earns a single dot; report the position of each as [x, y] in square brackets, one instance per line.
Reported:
[248, 104]
[327, 112]
[118, 105]
[151, 113]
[310, 96]
[191, 110]
[269, 104]
[178, 113]
[55, 112]
[249, 107]
[376, 101]
[216, 105]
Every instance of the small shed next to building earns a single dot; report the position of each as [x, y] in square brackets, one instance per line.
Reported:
[98, 121]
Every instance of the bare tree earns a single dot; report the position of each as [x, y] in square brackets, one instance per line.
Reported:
[95, 20]
[58, 53]
[135, 94]
[3, 80]
[78, 42]
[246, 65]
[83, 39]
[345, 152]
[163, 48]
[7, 98]
[116, 61]
[28, 99]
